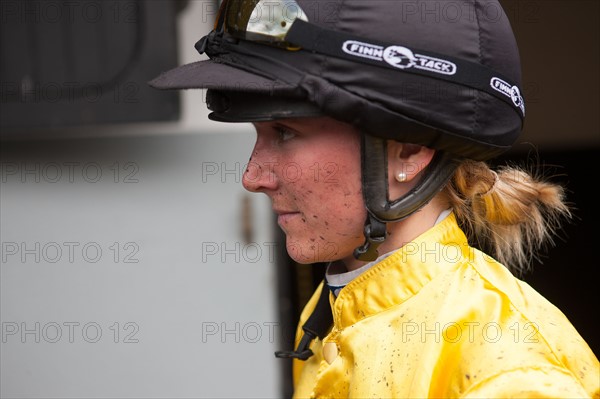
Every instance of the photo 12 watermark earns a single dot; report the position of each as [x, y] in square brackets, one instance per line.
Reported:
[469, 331]
[69, 12]
[53, 332]
[267, 251]
[236, 252]
[69, 172]
[411, 11]
[224, 172]
[249, 332]
[69, 251]
[29, 91]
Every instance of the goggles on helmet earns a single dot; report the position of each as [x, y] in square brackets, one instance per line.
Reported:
[262, 21]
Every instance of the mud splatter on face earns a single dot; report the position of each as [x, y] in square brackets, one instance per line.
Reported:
[322, 197]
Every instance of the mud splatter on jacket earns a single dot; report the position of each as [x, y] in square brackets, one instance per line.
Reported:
[441, 319]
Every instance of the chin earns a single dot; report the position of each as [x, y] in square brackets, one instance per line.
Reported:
[312, 252]
[302, 254]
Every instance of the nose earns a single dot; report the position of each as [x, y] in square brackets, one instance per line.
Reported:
[260, 174]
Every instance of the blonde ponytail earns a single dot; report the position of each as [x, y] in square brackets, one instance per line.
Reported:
[511, 214]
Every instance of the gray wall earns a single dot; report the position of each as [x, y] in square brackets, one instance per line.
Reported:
[138, 283]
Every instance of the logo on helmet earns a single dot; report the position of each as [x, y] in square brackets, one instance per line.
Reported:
[512, 92]
[364, 50]
[399, 57]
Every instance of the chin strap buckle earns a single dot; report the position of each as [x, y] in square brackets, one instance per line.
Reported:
[375, 234]
[302, 352]
[317, 325]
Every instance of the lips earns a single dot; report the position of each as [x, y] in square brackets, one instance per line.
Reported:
[284, 216]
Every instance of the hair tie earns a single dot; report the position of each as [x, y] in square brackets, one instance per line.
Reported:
[489, 190]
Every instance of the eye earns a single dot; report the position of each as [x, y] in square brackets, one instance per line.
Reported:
[285, 134]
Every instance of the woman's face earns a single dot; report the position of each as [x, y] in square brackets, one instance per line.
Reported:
[310, 169]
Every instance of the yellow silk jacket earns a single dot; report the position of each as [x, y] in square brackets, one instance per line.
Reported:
[440, 319]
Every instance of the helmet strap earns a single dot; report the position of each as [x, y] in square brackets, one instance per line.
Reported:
[375, 234]
[380, 210]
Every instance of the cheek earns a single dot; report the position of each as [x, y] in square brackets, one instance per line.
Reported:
[332, 199]
[329, 196]
[338, 185]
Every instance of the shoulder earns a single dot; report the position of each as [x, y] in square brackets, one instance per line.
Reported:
[511, 336]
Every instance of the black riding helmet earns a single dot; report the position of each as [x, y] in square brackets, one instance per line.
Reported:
[442, 74]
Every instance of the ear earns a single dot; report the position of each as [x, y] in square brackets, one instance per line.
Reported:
[405, 162]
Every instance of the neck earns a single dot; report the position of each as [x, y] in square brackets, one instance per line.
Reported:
[402, 232]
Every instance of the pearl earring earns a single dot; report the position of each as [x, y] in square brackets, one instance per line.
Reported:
[401, 177]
